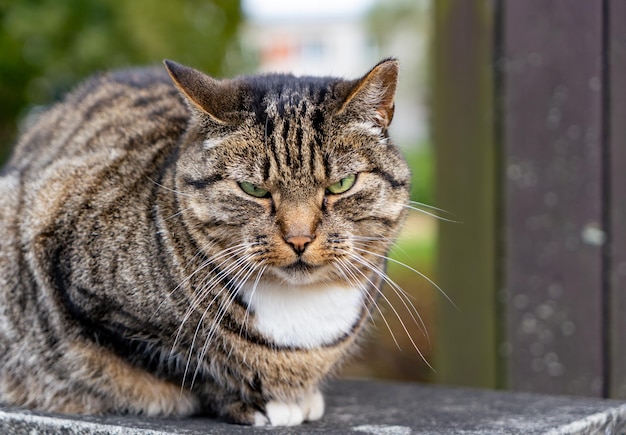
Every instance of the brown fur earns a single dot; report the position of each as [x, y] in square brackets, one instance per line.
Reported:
[127, 243]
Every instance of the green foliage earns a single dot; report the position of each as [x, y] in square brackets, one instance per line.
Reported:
[420, 159]
[46, 46]
[415, 251]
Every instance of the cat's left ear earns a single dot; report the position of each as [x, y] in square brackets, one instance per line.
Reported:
[374, 93]
[216, 98]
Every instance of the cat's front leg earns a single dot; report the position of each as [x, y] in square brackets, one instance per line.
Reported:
[309, 407]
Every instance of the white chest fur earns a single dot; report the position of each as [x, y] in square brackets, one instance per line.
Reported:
[305, 317]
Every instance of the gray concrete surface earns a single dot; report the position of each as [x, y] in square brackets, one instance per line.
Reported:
[376, 408]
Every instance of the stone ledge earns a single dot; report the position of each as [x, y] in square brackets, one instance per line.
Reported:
[377, 408]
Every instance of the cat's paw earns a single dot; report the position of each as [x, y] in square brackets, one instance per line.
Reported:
[309, 408]
[312, 405]
[279, 414]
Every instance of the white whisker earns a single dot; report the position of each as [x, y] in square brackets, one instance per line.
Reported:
[412, 270]
[223, 308]
[247, 270]
[432, 207]
[178, 213]
[400, 292]
[204, 264]
[346, 269]
[436, 216]
[167, 188]
[404, 327]
[254, 287]
[207, 286]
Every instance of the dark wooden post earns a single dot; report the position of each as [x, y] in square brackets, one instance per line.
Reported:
[466, 185]
[557, 208]
[615, 158]
[553, 130]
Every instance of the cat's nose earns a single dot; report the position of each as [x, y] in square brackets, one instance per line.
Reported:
[299, 243]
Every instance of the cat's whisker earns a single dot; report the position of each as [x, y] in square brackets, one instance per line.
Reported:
[364, 247]
[205, 263]
[430, 281]
[237, 248]
[345, 269]
[216, 296]
[223, 308]
[178, 213]
[432, 207]
[404, 326]
[207, 286]
[175, 289]
[394, 310]
[431, 214]
[372, 239]
[404, 296]
[169, 189]
[223, 272]
[399, 291]
[252, 292]
[247, 270]
[366, 243]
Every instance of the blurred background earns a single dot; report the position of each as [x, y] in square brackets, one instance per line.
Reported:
[47, 46]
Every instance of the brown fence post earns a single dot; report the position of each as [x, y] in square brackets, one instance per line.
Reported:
[553, 178]
[530, 139]
[616, 195]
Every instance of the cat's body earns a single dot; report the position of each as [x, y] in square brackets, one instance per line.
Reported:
[219, 242]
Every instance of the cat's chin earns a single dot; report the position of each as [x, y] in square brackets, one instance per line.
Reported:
[300, 273]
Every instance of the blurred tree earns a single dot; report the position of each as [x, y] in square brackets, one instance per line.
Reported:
[46, 46]
[388, 18]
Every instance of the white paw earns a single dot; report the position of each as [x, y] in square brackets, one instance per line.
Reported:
[312, 405]
[279, 414]
[309, 408]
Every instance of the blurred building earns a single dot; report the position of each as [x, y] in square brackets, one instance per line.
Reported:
[330, 46]
[337, 41]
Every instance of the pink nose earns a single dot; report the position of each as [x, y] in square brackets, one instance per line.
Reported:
[299, 243]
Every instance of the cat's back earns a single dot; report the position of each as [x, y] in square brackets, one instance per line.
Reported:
[96, 149]
[108, 114]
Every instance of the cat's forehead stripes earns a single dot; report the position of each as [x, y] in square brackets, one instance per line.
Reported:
[293, 134]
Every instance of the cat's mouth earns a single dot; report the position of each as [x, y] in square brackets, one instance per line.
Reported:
[301, 273]
[299, 267]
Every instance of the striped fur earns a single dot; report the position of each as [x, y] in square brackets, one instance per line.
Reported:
[136, 274]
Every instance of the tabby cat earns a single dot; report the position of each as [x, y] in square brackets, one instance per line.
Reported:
[173, 244]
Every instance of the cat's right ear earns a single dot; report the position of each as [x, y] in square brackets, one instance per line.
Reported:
[373, 95]
[206, 95]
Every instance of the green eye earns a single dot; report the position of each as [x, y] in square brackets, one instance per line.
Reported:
[342, 185]
[253, 190]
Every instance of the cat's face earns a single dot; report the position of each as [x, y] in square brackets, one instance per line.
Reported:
[300, 185]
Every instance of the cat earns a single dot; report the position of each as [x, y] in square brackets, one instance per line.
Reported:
[175, 245]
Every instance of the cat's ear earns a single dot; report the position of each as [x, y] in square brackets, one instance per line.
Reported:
[374, 93]
[216, 98]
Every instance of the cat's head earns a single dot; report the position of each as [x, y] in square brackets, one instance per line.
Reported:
[291, 179]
